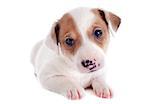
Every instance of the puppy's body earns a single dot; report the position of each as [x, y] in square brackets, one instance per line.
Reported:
[71, 58]
[58, 65]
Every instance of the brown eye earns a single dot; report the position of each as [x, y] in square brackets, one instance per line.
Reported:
[69, 41]
[97, 32]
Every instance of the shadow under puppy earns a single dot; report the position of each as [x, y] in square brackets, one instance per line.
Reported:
[72, 57]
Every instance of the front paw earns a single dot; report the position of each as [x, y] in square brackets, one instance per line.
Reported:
[74, 92]
[102, 90]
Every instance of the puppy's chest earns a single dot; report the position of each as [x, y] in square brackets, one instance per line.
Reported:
[83, 79]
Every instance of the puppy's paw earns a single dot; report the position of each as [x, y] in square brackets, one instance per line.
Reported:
[74, 92]
[102, 90]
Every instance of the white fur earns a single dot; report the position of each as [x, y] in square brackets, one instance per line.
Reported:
[58, 73]
[83, 23]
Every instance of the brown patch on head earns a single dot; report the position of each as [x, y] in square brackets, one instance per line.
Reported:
[68, 29]
[100, 22]
[102, 15]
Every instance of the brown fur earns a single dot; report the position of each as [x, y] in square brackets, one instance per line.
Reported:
[99, 23]
[68, 29]
[115, 21]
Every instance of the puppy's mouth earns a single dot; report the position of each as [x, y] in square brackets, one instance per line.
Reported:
[88, 70]
[93, 68]
[92, 71]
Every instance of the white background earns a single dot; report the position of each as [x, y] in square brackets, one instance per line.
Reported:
[24, 22]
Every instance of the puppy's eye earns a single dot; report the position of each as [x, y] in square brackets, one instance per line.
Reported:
[97, 32]
[69, 41]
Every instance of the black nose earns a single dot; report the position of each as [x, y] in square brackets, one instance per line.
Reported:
[86, 63]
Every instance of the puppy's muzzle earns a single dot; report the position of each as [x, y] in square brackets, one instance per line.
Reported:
[90, 64]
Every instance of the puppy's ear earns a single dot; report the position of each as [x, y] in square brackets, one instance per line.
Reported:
[110, 19]
[52, 40]
[114, 20]
[55, 32]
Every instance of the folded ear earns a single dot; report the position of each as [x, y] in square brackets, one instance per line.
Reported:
[114, 20]
[55, 32]
[52, 40]
[110, 19]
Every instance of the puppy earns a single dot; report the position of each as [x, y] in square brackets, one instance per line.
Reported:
[72, 57]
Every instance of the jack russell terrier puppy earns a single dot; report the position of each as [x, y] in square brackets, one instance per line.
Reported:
[72, 57]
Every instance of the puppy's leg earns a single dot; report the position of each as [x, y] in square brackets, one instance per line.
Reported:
[101, 89]
[64, 85]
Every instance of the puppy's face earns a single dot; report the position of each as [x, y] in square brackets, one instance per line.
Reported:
[83, 35]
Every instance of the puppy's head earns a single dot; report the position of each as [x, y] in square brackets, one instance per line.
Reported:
[83, 35]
